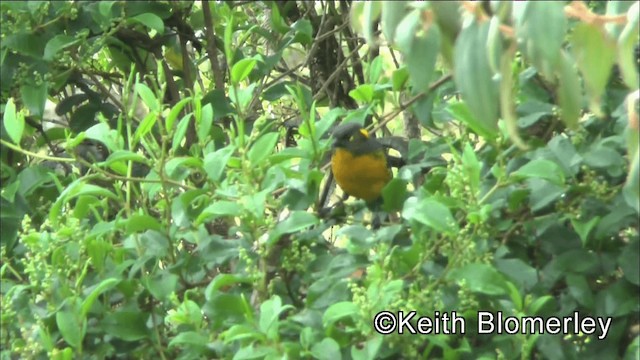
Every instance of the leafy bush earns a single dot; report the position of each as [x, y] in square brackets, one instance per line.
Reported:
[164, 190]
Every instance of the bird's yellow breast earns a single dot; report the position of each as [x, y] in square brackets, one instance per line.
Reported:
[362, 176]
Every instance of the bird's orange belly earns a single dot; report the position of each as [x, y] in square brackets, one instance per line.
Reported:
[361, 176]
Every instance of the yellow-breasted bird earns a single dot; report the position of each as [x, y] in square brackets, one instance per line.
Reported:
[359, 162]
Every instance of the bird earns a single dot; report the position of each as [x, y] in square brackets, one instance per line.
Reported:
[359, 162]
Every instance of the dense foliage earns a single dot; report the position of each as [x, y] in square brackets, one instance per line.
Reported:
[164, 189]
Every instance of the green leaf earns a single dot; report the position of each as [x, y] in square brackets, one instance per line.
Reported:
[542, 169]
[204, 125]
[565, 154]
[242, 69]
[256, 352]
[540, 30]
[262, 148]
[369, 351]
[494, 45]
[296, 221]
[145, 127]
[328, 291]
[360, 239]
[614, 8]
[141, 223]
[543, 193]
[71, 326]
[627, 42]
[566, 261]
[307, 337]
[226, 308]
[370, 14]
[276, 91]
[631, 190]
[228, 40]
[31, 45]
[105, 285]
[363, 93]
[277, 21]
[187, 206]
[634, 346]
[399, 78]
[521, 273]
[90, 189]
[421, 57]
[243, 96]
[13, 122]
[618, 299]
[147, 96]
[175, 112]
[101, 133]
[219, 101]
[392, 13]
[188, 313]
[583, 228]
[57, 43]
[595, 54]
[31, 179]
[629, 261]
[127, 325]
[105, 8]
[84, 204]
[327, 349]
[124, 155]
[328, 120]
[189, 339]
[175, 168]
[579, 290]
[460, 111]
[375, 69]
[471, 167]
[406, 31]
[481, 278]
[220, 208]
[473, 77]
[603, 157]
[34, 98]
[538, 304]
[338, 311]
[76, 189]
[569, 92]
[357, 11]
[224, 280]
[241, 332]
[303, 31]
[216, 162]
[152, 21]
[180, 132]
[270, 311]
[431, 213]
[394, 193]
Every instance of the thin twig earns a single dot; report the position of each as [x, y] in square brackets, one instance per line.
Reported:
[34, 155]
[338, 70]
[387, 118]
[134, 179]
[218, 78]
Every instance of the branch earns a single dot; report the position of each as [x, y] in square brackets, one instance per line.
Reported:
[218, 77]
[336, 72]
[34, 155]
